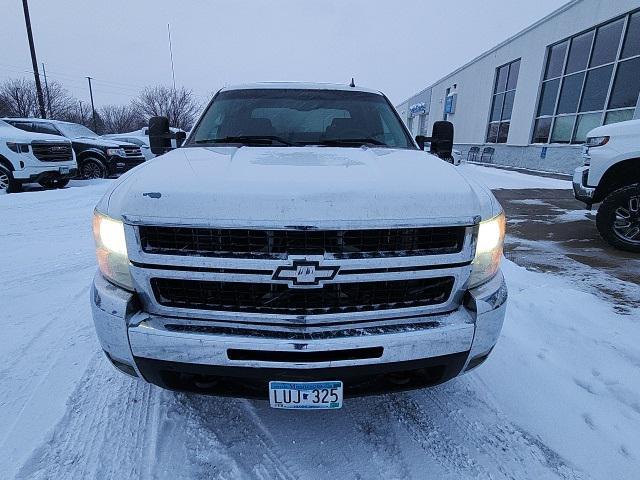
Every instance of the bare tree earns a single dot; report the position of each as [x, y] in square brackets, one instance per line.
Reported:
[19, 98]
[121, 118]
[178, 105]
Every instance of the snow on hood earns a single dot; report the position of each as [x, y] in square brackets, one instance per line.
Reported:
[102, 142]
[297, 186]
[9, 133]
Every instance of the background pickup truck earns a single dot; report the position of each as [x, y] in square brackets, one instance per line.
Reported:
[299, 247]
[611, 175]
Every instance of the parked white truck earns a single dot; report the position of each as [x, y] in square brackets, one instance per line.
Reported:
[298, 247]
[611, 175]
[28, 157]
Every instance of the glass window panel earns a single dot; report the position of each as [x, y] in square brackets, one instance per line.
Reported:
[626, 86]
[496, 111]
[570, 93]
[508, 104]
[605, 48]
[514, 70]
[541, 130]
[492, 132]
[618, 116]
[563, 129]
[548, 97]
[579, 52]
[632, 41]
[555, 61]
[586, 123]
[501, 79]
[596, 88]
[503, 132]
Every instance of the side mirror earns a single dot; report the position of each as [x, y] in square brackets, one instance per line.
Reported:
[159, 135]
[421, 140]
[180, 138]
[442, 140]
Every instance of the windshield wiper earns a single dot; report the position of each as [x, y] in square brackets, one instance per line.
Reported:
[260, 139]
[351, 141]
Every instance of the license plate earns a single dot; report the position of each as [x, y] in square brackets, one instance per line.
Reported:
[306, 395]
[64, 170]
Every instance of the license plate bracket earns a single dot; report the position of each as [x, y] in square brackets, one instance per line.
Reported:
[306, 395]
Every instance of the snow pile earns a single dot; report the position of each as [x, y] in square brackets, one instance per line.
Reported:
[567, 368]
[508, 179]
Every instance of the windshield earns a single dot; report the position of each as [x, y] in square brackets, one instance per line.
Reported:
[285, 117]
[74, 130]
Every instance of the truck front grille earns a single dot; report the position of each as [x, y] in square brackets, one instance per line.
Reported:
[132, 151]
[270, 298]
[278, 244]
[52, 152]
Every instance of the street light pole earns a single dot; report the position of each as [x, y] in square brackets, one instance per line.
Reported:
[46, 87]
[93, 108]
[34, 61]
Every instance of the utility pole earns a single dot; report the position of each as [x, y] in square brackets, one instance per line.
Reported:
[173, 73]
[46, 87]
[93, 108]
[34, 61]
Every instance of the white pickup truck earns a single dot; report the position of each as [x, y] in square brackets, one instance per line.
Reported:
[611, 175]
[28, 157]
[298, 247]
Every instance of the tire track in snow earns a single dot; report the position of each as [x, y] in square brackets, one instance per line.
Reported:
[473, 439]
[372, 419]
[244, 436]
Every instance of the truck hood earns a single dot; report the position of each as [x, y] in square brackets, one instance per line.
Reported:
[101, 142]
[297, 186]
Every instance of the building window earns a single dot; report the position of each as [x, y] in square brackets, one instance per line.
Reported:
[504, 93]
[590, 79]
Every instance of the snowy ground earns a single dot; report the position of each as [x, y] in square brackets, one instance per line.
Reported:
[559, 397]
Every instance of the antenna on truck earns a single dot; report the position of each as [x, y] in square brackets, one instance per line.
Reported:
[353, 83]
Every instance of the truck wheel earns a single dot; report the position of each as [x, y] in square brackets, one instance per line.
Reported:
[54, 183]
[7, 183]
[618, 218]
[92, 168]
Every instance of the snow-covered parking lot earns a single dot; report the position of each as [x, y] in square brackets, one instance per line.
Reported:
[559, 398]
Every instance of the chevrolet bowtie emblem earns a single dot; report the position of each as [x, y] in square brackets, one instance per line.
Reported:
[305, 273]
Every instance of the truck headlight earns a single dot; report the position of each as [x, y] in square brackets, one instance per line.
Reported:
[488, 250]
[18, 147]
[116, 152]
[596, 141]
[111, 250]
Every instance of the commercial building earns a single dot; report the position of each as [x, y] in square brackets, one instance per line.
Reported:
[530, 101]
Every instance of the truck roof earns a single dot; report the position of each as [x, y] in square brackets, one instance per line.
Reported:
[299, 86]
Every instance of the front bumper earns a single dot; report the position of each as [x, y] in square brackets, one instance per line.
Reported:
[36, 174]
[580, 189]
[175, 354]
[121, 165]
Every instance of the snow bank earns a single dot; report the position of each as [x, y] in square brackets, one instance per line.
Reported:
[509, 179]
[567, 367]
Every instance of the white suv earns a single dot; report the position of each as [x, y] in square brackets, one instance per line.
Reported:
[611, 175]
[27, 157]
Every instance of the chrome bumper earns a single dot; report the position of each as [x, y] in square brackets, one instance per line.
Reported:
[580, 189]
[126, 333]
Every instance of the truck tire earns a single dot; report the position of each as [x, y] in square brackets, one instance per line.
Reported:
[54, 183]
[618, 218]
[92, 168]
[7, 182]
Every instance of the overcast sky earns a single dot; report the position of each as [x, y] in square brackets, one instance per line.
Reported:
[398, 46]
